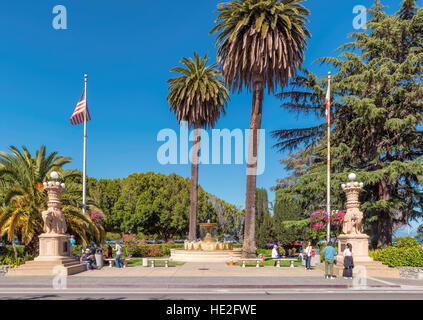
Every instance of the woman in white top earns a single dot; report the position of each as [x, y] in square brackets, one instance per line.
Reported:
[348, 262]
[307, 253]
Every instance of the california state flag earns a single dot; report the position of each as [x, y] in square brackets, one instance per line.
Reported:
[327, 102]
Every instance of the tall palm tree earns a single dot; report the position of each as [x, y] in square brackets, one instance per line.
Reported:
[198, 96]
[23, 196]
[261, 44]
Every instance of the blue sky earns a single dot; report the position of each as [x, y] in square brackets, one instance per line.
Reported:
[127, 48]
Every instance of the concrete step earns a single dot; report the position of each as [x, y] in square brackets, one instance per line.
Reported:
[44, 270]
[373, 269]
[50, 263]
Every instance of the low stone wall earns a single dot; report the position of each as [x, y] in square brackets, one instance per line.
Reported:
[415, 273]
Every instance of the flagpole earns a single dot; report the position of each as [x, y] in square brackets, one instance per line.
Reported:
[84, 173]
[328, 165]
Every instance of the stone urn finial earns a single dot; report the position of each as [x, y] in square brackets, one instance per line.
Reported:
[54, 220]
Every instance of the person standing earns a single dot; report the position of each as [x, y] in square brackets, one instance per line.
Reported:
[307, 253]
[330, 254]
[348, 262]
[118, 250]
[72, 244]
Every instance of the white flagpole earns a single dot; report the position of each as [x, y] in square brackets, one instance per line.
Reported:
[84, 173]
[328, 166]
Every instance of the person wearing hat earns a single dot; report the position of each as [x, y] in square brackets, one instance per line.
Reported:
[85, 259]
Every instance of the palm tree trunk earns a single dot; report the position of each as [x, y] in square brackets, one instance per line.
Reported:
[249, 247]
[192, 235]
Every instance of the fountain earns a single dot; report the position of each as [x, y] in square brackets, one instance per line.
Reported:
[208, 244]
[207, 249]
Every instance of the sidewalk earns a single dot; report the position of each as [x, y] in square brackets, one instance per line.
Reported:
[201, 275]
[203, 269]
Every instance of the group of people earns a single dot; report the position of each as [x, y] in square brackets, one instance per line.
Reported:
[87, 255]
[276, 254]
[330, 259]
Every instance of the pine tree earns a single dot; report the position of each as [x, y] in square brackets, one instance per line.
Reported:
[262, 208]
[265, 232]
[378, 104]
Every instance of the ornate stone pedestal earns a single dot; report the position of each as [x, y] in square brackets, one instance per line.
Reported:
[360, 244]
[353, 233]
[53, 247]
[54, 242]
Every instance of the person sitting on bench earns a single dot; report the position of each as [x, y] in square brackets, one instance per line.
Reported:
[86, 260]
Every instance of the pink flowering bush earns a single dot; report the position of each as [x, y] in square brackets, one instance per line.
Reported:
[96, 216]
[319, 222]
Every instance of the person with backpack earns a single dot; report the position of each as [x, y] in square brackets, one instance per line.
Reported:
[308, 255]
[330, 254]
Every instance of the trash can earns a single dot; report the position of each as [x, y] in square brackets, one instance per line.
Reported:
[144, 262]
[316, 259]
[99, 257]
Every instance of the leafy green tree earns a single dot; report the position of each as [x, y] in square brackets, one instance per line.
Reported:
[419, 231]
[265, 232]
[198, 96]
[288, 232]
[261, 44]
[262, 206]
[158, 206]
[287, 209]
[377, 97]
[298, 163]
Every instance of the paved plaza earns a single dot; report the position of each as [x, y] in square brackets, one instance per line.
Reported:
[207, 281]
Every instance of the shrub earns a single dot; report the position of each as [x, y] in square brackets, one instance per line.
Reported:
[112, 236]
[406, 252]
[7, 256]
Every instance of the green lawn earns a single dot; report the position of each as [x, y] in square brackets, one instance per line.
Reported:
[138, 262]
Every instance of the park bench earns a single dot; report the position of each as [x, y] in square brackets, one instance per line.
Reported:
[154, 260]
[278, 262]
[124, 261]
[257, 260]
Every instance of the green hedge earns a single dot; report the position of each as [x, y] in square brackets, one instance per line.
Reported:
[7, 256]
[150, 250]
[140, 250]
[407, 252]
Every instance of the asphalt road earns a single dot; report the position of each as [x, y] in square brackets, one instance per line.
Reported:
[261, 294]
[208, 288]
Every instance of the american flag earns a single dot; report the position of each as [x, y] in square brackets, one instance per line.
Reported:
[327, 102]
[78, 115]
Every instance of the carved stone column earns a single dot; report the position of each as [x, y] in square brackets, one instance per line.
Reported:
[352, 231]
[54, 242]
